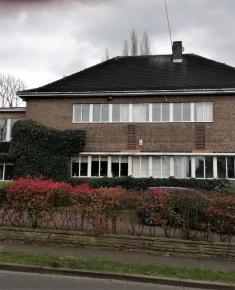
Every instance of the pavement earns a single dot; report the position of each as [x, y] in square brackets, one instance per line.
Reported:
[122, 256]
[28, 281]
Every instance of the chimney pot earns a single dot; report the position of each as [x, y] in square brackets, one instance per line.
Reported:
[177, 50]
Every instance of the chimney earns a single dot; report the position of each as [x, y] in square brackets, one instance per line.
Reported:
[177, 50]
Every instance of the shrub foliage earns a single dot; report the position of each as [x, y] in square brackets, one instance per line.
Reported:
[190, 214]
[42, 152]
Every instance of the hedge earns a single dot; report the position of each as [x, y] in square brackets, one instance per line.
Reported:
[39, 151]
[130, 183]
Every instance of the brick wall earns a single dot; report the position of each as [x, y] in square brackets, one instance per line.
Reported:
[157, 137]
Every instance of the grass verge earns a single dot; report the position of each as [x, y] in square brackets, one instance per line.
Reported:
[118, 267]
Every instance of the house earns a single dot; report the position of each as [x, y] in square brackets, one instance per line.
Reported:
[158, 115]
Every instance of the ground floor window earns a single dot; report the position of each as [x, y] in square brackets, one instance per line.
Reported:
[6, 171]
[143, 165]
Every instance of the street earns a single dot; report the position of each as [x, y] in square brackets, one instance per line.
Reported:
[28, 281]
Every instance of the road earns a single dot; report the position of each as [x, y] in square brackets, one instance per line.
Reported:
[29, 281]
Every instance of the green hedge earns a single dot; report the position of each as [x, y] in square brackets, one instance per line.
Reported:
[39, 151]
[4, 147]
[144, 183]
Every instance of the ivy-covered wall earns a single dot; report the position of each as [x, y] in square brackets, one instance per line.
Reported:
[39, 151]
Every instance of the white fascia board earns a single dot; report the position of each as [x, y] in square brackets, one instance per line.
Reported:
[158, 153]
[127, 93]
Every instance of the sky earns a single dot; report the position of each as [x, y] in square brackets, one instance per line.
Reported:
[41, 41]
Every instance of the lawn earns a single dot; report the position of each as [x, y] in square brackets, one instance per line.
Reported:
[118, 267]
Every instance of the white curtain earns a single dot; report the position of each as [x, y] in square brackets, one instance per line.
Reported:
[198, 112]
[140, 112]
[124, 108]
[208, 112]
[144, 166]
[156, 169]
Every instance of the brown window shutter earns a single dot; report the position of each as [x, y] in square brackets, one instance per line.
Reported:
[200, 141]
[131, 136]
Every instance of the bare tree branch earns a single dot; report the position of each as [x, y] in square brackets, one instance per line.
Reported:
[125, 50]
[9, 85]
[133, 43]
[145, 46]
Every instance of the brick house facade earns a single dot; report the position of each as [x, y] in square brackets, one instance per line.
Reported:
[144, 116]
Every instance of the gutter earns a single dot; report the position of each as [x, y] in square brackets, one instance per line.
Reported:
[128, 93]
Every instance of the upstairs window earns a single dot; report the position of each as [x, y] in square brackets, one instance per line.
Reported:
[203, 112]
[140, 112]
[120, 113]
[100, 113]
[81, 113]
[181, 112]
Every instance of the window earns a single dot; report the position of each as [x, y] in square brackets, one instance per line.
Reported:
[156, 112]
[95, 163]
[3, 129]
[144, 166]
[160, 112]
[124, 109]
[165, 112]
[140, 112]
[182, 167]
[103, 166]
[231, 167]
[136, 166]
[203, 112]
[6, 171]
[120, 113]
[161, 166]
[221, 166]
[199, 167]
[81, 113]
[80, 167]
[209, 167]
[119, 166]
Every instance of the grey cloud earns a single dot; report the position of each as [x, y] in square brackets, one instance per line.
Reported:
[57, 38]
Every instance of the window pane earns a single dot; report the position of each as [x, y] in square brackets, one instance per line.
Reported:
[75, 169]
[12, 123]
[144, 166]
[1, 171]
[199, 167]
[105, 113]
[115, 166]
[9, 172]
[157, 167]
[103, 166]
[156, 115]
[124, 166]
[165, 167]
[198, 112]
[177, 112]
[186, 167]
[136, 166]
[85, 113]
[221, 167]
[95, 166]
[165, 112]
[116, 113]
[209, 167]
[140, 112]
[124, 108]
[230, 166]
[186, 112]
[76, 113]
[178, 167]
[83, 166]
[96, 112]
[208, 112]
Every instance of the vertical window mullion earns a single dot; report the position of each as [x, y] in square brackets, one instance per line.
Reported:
[226, 167]
[171, 112]
[192, 112]
[150, 113]
[119, 168]
[204, 167]
[79, 166]
[110, 112]
[3, 172]
[91, 113]
[130, 113]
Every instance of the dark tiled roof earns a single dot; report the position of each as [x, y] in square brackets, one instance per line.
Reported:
[155, 72]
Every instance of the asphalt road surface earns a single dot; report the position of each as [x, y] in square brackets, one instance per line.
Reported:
[28, 281]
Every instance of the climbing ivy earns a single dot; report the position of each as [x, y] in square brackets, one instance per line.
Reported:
[39, 151]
